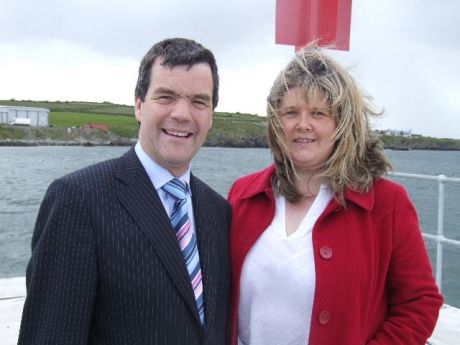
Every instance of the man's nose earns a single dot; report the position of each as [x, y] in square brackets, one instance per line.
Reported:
[182, 109]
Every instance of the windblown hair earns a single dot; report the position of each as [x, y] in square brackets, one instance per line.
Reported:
[176, 51]
[357, 158]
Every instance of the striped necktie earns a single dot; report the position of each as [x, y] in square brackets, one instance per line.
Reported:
[187, 238]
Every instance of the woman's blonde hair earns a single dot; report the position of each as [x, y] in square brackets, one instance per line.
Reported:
[357, 158]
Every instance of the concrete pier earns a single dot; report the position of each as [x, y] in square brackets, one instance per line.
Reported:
[13, 292]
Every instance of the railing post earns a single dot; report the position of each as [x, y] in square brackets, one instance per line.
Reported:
[440, 235]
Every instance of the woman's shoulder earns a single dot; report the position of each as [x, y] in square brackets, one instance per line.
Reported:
[253, 183]
[386, 190]
[384, 184]
[258, 175]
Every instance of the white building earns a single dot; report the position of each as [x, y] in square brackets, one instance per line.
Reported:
[38, 116]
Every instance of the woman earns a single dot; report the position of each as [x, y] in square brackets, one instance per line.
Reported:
[324, 250]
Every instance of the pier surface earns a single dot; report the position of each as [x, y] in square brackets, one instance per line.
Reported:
[13, 292]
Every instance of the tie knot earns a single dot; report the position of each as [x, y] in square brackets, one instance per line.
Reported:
[176, 188]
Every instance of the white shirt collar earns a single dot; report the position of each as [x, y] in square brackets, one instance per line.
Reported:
[158, 175]
[306, 225]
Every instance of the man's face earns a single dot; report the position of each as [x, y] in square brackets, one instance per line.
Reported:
[176, 114]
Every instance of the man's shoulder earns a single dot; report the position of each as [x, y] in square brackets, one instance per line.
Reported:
[202, 188]
[100, 173]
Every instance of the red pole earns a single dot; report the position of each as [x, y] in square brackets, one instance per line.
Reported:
[326, 22]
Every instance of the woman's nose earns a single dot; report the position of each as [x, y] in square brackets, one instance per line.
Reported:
[304, 121]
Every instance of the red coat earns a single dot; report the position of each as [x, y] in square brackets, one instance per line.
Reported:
[374, 283]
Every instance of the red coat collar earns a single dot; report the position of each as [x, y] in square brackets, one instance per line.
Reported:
[364, 200]
[260, 182]
[257, 183]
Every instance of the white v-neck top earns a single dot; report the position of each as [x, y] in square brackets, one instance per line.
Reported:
[277, 284]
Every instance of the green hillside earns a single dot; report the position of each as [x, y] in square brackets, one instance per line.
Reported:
[121, 125]
[229, 129]
[75, 107]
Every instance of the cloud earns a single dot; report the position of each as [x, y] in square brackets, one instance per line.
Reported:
[61, 70]
[129, 28]
[404, 53]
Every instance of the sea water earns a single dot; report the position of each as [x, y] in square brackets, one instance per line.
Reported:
[26, 172]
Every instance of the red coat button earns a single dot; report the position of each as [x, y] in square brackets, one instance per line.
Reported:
[324, 317]
[325, 252]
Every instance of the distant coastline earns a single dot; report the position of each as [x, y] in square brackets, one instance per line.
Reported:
[72, 123]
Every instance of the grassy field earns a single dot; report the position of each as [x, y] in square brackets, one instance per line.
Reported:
[229, 129]
[75, 107]
[11, 133]
[237, 127]
[124, 126]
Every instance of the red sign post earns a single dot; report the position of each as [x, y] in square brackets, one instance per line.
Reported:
[326, 22]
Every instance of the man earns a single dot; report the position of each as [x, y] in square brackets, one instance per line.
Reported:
[134, 250]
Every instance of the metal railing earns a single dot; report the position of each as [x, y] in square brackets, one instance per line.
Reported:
[439, 238]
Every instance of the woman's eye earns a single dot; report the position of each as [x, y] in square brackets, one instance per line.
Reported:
[318, 114]
[291, 113]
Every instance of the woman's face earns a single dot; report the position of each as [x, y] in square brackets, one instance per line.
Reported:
[308, 127]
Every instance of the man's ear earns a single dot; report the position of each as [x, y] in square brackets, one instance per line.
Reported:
[138, 109]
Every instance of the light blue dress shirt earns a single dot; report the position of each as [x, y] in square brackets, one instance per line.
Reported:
[159, 176]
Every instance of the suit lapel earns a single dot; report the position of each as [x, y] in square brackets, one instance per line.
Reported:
[205, 238]
[139, 197]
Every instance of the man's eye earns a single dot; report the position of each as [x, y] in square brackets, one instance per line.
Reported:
[199, 104]
[164, 99]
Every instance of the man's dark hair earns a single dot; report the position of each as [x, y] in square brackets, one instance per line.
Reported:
[176, 51]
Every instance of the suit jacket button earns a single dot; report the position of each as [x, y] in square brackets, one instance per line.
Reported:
[325, 252]
[324, 317]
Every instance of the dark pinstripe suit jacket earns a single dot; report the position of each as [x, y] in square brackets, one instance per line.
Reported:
[106, 267]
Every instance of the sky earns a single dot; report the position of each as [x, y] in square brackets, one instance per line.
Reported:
[403, 53]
